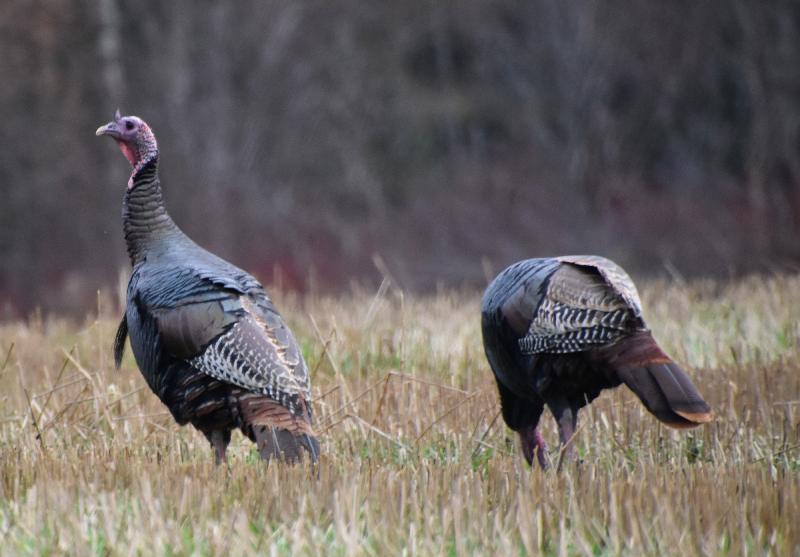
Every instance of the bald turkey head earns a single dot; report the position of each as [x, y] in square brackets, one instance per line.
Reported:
[134, 137]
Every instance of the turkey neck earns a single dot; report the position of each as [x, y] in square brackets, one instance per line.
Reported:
[145, 220]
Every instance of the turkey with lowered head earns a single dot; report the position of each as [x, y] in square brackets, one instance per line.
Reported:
[557, 331]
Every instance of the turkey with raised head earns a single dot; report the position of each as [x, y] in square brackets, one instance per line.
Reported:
[205, 335]
[557, 331]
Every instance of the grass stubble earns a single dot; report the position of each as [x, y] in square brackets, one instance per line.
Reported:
[416, 461]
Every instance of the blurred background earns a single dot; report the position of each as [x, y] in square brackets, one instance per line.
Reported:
[319, 143]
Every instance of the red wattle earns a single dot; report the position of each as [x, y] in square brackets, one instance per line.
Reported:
[127, 151]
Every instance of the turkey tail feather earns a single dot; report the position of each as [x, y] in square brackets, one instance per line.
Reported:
[282, 444]
[668, 394]
[662, 386]
[277, 431]
[119, 341]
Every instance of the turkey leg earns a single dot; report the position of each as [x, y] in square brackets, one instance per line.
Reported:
[533, 444]
[566, 416]
[220, 445]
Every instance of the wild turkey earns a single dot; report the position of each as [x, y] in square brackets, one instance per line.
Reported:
[205, 335]
[557, 331]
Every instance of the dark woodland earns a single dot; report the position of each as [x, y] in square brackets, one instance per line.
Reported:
[319, 144]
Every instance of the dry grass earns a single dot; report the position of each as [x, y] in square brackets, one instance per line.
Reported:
[414, 462]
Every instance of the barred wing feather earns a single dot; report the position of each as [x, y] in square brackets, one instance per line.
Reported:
[580, 309]
[237, 340]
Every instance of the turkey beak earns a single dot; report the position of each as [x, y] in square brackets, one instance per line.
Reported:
[111, 129]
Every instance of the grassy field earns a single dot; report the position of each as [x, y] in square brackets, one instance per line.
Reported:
[416, 460]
